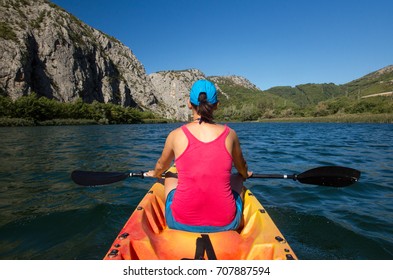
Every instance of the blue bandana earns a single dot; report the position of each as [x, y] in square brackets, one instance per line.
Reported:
[203, 86]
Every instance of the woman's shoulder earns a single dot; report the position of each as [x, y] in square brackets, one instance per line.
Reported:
[231, 130]
[176, 132]
[232, 134]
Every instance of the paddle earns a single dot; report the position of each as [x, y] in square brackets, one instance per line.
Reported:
[330, 176]
[95, 178]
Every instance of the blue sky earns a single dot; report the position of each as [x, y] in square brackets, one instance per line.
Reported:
[270, 42]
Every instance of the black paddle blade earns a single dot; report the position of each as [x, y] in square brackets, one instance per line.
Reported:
[92, 178]
[331, 176]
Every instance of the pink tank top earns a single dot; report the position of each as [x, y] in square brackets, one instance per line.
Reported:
[204, 196]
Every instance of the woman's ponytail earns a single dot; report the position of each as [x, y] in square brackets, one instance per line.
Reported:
[204, 109]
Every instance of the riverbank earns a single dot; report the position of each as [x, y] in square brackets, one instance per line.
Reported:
[345, 118]
[10, 122]
[354, 118]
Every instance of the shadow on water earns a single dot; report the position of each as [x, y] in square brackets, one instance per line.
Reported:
[315, 237]
[60, 235]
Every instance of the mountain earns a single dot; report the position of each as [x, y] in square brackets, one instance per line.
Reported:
[245, 102]
[44, 49]
[307, 94]
[376, 82]
[172, 89]
[234, 80]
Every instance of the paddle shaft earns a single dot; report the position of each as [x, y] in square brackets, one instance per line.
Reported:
[332, 176]
[256, 176]
[274, 176]
[259, 176]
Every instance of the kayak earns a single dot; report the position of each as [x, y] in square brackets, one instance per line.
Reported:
[145, 236]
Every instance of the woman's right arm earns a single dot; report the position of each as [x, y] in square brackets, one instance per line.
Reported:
[237, 155]
[164, 162]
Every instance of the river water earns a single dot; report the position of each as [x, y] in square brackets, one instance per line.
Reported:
[44, 215]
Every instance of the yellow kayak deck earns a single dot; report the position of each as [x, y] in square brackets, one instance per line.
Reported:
[145, 236]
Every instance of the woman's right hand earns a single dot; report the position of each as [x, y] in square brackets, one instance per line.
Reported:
[150, 173]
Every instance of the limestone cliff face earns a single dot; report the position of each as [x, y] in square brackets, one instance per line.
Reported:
[46, 50]
[172, 88]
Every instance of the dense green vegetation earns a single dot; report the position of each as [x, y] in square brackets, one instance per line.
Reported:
[338, 118]
[242, 105]
[307, 94]
[265, 109]
[34, 110]
[376, 82]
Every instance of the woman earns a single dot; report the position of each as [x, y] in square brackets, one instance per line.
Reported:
[205, 197]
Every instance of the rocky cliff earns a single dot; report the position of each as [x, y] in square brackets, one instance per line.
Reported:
[46, 50]
[172, 89]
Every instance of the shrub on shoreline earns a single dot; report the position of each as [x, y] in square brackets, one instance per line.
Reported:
[32, 110]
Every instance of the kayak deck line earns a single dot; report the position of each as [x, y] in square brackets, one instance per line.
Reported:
[145, 236]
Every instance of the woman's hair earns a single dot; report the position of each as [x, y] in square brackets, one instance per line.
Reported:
[204, 109]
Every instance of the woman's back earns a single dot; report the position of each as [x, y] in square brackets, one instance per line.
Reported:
[203, 195]
[204, 133]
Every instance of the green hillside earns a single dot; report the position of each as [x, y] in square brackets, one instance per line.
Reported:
[308, 100]
[240, 103]
[308, 94]
[376, 82]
